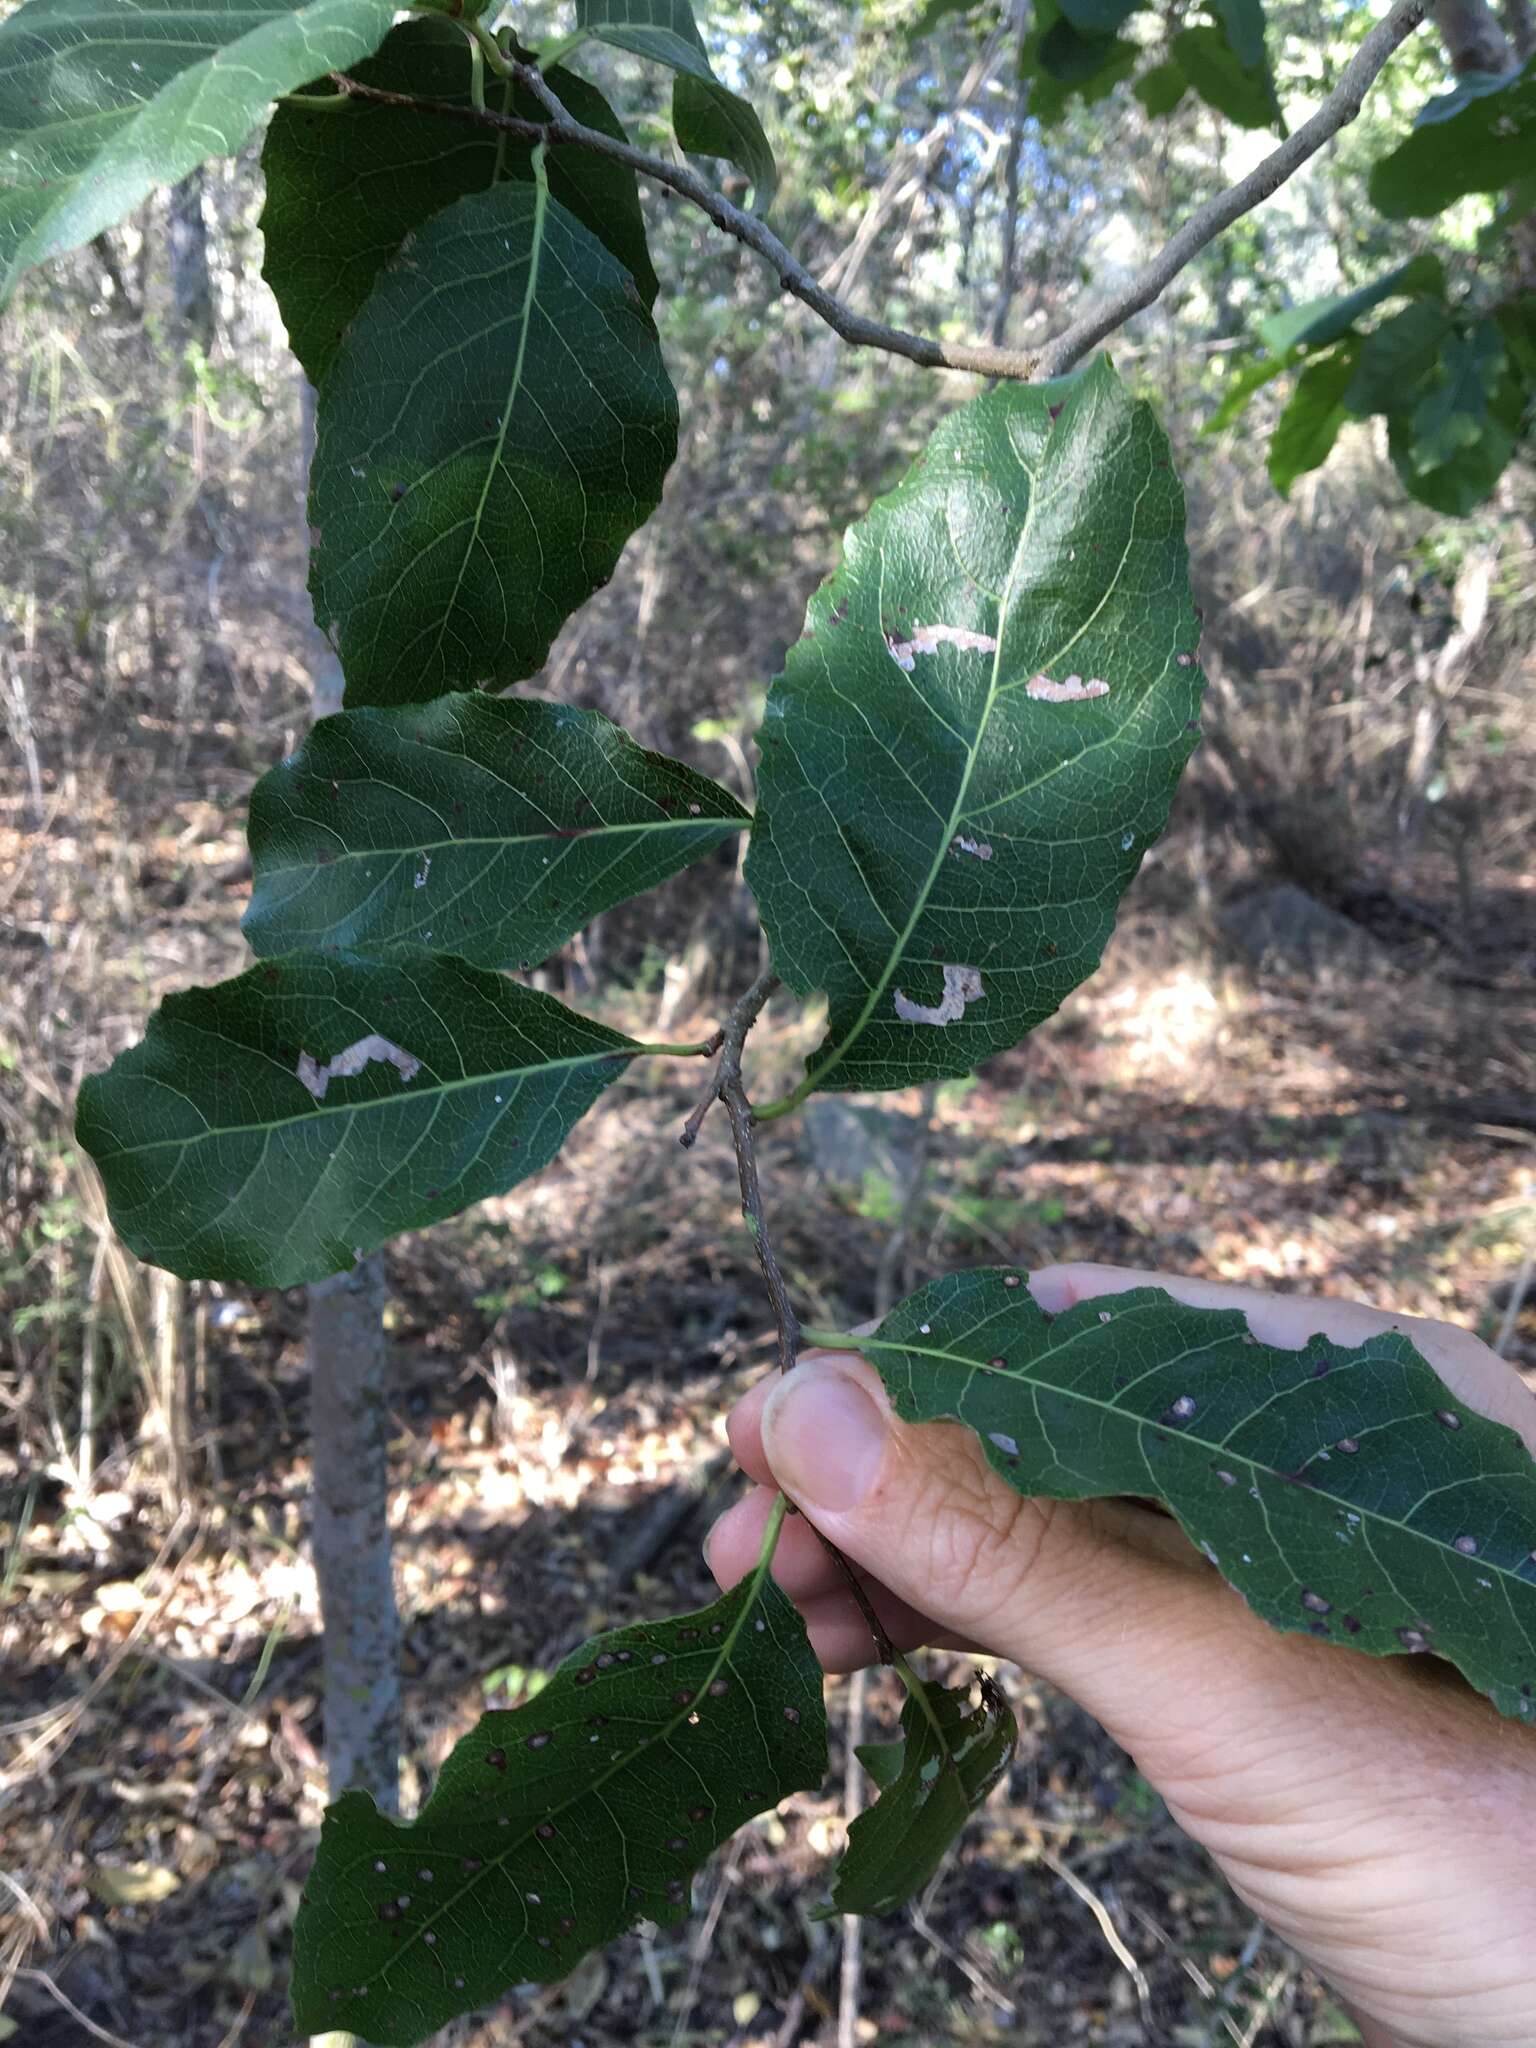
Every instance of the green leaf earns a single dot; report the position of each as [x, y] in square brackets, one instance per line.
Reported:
[882, 1760]
[103, 100]
[1453, 413]
[1460, 484]
[1075, 59]
[710, 120]
[1242, 23]
[1396, 357]
[1343, 1492]
[979, 734]
[495, 424]
[1161, 89]
[1062, 65]
[555, 1827]
[1244, 381]
[494, 826]
[951, 1755]
[1208, 61]
[1321, 321]
[1306, 431]
[344, 189]
[273, 1128]
[1099, 17]
[1479, 138]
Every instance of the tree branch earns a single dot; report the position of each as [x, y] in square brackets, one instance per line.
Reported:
[1203, 226]
[563, 131]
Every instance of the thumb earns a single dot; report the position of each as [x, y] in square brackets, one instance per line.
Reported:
[1107, 1600]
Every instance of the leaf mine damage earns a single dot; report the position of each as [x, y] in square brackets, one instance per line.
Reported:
[928, 639]
[318, 1075]
[962, 985]
[1071, 690]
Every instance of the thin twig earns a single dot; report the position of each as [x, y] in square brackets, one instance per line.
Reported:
[44, 1982]
[563, 130]
[885, 1649]
[1207, 222]
[723, 1085]
[726, 1086]
[1125, 1956]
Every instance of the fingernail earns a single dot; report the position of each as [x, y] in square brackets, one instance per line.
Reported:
[824, 1436]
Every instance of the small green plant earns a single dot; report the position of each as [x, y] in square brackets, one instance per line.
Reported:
[970, 749]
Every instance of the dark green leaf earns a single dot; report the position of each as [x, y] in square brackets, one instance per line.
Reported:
[345, 189]
[1075, 59]
[555, 1827]
[882, 1760]
[493, 826]
[1458, 486]
[1479, 138]
[103, 100]
[710, 120]
[494, 426]
[1243, 24]
[951, 1755]
[1453, 412]
[1306, 431]
[1063, 65]
[979, 734]
[1099, 17]
[1395, 359]
[1246, 97]
[1321, 321]
[1161, 89]
[275, 1127]
[1342, 1491]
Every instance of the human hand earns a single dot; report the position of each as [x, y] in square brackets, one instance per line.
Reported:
[1377, 1813]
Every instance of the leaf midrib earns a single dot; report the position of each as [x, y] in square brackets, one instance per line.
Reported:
[1182, 1434]
[567, 834]
[626, 1050]
[493, 466]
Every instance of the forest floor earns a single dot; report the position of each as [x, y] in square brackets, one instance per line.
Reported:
[562, 1361]
[563, 1357]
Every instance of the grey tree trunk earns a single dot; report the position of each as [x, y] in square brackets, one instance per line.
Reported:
[349, 1430]
[349, 1426]
[191, 278]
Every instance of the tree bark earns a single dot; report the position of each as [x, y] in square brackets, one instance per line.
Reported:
[349, 1430]
[1473, 39]
[191, 279]
[349, 1422]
